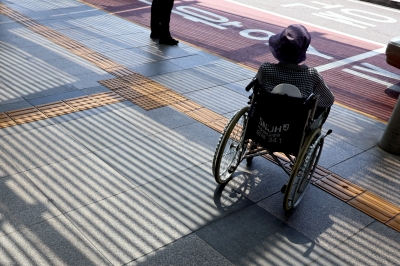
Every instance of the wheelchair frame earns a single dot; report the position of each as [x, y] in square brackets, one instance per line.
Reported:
[233, 148]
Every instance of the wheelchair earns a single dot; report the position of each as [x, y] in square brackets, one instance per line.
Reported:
[281, 126]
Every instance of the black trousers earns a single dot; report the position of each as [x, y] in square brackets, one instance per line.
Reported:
[160, 17]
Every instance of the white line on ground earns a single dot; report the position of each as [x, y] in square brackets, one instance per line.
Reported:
[351, 59]
[307, 23]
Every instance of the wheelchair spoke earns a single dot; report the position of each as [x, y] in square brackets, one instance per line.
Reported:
[230, 147]
[303, 170]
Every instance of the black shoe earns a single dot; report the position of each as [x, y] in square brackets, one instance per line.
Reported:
[154, 35]
[168, 41]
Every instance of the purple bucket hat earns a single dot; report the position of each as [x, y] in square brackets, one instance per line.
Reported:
[291, 44]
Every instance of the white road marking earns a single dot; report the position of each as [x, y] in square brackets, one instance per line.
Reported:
[351, 59]
[306, 23]
[361, 75]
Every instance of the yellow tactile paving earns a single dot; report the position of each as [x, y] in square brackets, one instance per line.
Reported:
[107, 98]
[132, 80]
[186, 106]
[339, 187]
[82, 103]
[375, 206]
[319, 173]
[152, 101]
[149, 95]
[218, 125]
[56, 109]
[114, 83]
[394, 223]
[6, 121]
[120, 71]
[149, 88]
[26, 115]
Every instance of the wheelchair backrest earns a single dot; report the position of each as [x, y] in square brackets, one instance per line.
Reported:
[279, 122]
[287, 89]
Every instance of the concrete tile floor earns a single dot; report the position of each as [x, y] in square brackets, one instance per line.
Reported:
[118, 184]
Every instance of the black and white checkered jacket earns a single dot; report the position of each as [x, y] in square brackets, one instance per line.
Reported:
[306, 79]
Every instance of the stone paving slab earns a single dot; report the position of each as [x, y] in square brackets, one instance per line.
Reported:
[53, 242]
[336, 151]
[190, 250]
[104, 130]
[210, 98]
[40, 147]
[376, 244]
[127, 226]
[259, 180]
[254, 237]
[191, 196]
[322, 218]
[22, 204]
[117, 184]
[144, 160]
[77, 182]
[196, 142]
[373, 173]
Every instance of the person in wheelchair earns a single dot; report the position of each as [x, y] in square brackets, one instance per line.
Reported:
[289, 48]
[290, 135]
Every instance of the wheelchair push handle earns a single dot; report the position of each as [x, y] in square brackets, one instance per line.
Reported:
[251, 84]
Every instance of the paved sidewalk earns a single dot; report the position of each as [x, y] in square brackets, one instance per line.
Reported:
[90, 178]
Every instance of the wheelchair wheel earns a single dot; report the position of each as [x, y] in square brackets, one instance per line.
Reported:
[303, 169]
[230, 147]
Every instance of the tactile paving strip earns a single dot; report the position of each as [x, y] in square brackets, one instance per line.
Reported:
[120, 71]
[375, 206]
[339, 187]
[152, 101]
[56, 109]
[144, 92]
[26, 115]
[395, 223]
[6, 121]
[319, 173]
[82, 103]
[107, 98]
[44, 111]
[130, 80]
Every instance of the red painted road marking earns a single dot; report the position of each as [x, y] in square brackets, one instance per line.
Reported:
[241, 33]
